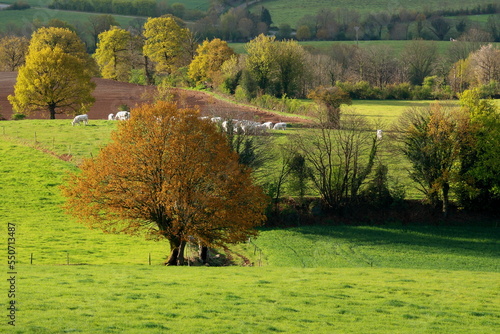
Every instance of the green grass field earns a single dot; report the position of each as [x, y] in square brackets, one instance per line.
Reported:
[291, 11]
[321, 279]
[22, 18]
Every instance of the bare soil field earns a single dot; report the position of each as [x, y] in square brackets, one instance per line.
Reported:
[109, 95]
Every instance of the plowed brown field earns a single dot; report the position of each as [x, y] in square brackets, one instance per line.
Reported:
[111, 94]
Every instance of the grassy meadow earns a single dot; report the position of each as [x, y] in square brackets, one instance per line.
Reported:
[321, 279]
[291, 11]
[23, 18]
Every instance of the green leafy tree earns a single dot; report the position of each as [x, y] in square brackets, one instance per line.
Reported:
[479, 182]
[113, 54]
[430, 139]
[290, 59]
[260, 62]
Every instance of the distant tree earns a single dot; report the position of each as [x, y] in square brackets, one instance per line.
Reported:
[290, 58]
[378, 65]
[12, 52]
[260, 61]
[265, 16]
[67, 40]
[57, 75]
[332, 98]
[165, 43]
[246, 28]
[99, 24]
[486, 62]
[56, 23]
[430, 140]
[299, 174]
[178, 10]
[493, 27]
[206, 65]
[440, 27]
[303, 33]
[170, 175]
[469, 42]
[461, 75]
[113, 54]
[339, 160]
[420, 58]
[284, 32]
[375, 24]
[479, 172]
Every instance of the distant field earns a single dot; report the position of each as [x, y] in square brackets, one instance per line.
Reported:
[290, 11]
[191, 4]
[22, 18]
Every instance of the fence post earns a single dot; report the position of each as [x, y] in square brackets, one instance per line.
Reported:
[31, 258]
[149, 258]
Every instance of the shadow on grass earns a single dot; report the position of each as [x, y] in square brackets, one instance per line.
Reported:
[463, 240]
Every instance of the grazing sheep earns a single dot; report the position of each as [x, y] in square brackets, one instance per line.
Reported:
[80, 119]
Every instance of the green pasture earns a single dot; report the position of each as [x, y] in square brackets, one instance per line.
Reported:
[155, 299]
[191, 4]
[291, 11]
[23, 18]
[345, 279]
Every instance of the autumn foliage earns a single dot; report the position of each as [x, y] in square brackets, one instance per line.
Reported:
[168, 174]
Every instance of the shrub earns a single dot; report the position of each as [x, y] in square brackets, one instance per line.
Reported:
[18, 116]
[400, 91]
[490, 90]
[361, 90]
[240, 94]
[138, 77]
[18, 5]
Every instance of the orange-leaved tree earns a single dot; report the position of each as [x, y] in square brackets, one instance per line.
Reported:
[169, 174]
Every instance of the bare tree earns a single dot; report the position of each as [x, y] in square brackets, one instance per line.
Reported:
[340, 160]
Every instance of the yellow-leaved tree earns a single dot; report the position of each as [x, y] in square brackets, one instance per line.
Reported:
[56, 77]
[113, 54]
[207, 63]
[168, 174]
[166, 43]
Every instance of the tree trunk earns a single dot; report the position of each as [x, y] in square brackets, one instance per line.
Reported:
[52, 110]
[203, 254]
[147, 73]
[446, 199]
[176, 256]
[333, 117]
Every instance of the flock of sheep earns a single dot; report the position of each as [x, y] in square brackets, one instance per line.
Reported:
[245, 126]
